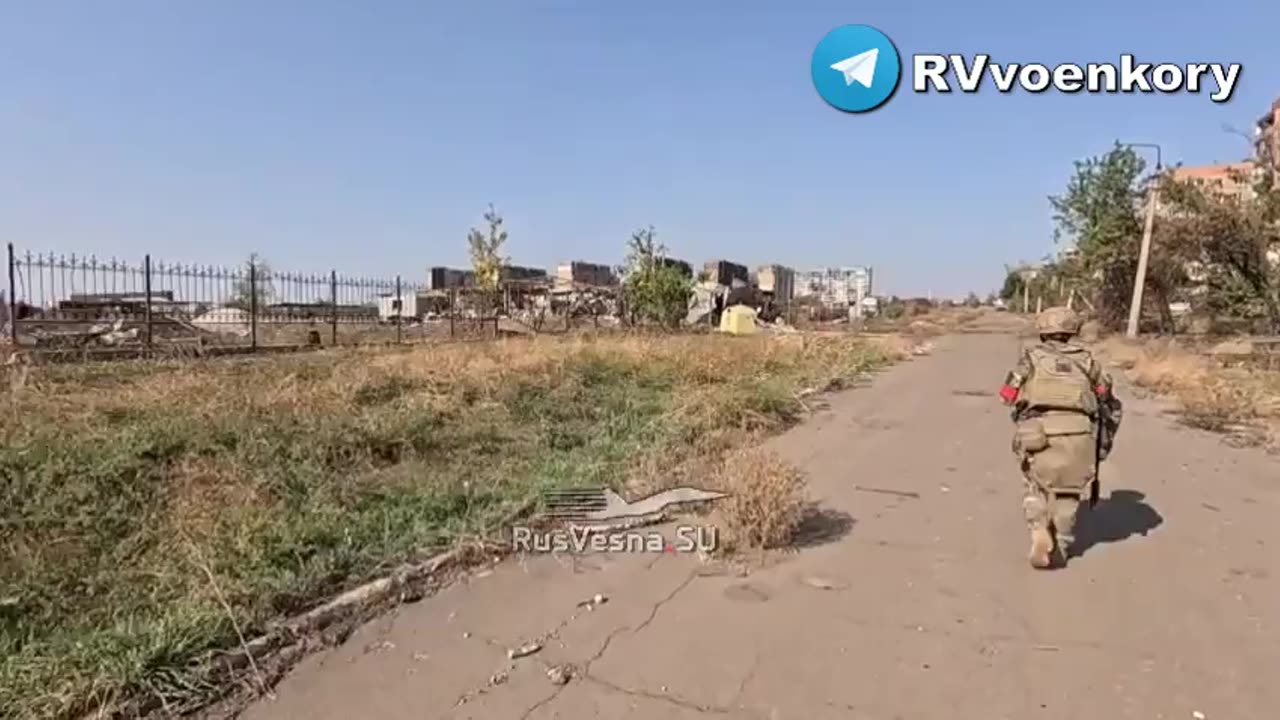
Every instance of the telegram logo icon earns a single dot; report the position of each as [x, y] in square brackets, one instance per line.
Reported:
[856, 68]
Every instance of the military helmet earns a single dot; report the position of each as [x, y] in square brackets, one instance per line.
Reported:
[1058, 320]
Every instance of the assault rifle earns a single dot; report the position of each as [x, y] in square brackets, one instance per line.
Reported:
[1108, 423]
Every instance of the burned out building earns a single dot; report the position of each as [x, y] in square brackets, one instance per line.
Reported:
[723, 272]
[777, 282]
[443, 278]
[578, 273]
[518, 273]
[685, 268]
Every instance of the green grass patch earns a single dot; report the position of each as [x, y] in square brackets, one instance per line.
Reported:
[124, 488]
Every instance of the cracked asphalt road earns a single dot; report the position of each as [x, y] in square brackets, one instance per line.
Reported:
[913, 601]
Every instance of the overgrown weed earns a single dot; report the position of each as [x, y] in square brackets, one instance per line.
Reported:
[127, 486]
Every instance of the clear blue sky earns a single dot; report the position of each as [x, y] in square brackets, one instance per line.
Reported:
[370, 136]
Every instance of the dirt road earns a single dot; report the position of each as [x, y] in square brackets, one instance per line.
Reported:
[913, 601]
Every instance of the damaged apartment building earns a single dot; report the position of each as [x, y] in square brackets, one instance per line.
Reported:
[840, 289]
[723, 284]
[584, 288]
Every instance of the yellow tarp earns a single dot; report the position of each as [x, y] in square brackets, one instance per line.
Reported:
[738, 320]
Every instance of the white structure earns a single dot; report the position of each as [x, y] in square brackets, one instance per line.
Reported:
[836, 287]
[224, 320]
[412, 305]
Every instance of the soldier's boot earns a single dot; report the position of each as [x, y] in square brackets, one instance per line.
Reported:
[1066, 510]
[1037, 515]
[1041, 555]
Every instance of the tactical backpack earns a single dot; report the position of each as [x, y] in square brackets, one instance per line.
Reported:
[1057, 382]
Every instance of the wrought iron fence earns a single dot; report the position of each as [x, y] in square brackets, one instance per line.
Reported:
[58, 301]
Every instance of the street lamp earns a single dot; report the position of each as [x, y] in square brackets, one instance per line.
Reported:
[1140, 277]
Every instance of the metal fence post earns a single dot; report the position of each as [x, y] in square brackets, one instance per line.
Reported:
[453, 310]
[253, 305]
[146, 268]
[333, 298]
[399, 312]
[13, 300]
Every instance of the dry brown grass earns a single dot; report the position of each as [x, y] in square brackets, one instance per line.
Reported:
[766, 503]
[1240, 401]
[290, 478]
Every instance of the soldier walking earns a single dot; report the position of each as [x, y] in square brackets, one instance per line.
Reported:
[1065, 417]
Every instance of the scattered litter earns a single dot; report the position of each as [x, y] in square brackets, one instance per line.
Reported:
[380, 646]
[466, 636]
[945, 488]
[887, 491]
[560, 674]
[1207, 506]
[483, 574]
[498, 678]
[1198, 715]
[421, 656]
[523, 651]
[821, 583]
[591, 602]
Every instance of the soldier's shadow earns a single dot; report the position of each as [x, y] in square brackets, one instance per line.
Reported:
[1117, 517]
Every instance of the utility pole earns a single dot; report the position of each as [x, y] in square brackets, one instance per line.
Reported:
[1140, 277]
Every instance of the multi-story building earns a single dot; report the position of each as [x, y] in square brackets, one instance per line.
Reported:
[578, 273]
[1238, 178]
[778, 281]
[1267, 134]
[1234, 179]
[836, 287]
[444, 278]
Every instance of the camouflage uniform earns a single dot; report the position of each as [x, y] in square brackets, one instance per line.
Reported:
[1057, 447]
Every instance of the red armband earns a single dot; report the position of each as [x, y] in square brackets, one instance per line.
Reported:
[1101, 390]
[1008, 393]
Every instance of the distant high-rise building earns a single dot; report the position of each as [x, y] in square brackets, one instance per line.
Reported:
[836, 287]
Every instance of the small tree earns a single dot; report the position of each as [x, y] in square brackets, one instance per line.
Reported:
[487, 259]
[655, 290]
[1100, 214]
[255, 280]
[1235, 236]
[1012, 287]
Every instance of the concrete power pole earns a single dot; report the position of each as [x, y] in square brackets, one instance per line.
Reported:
[1140, 277]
